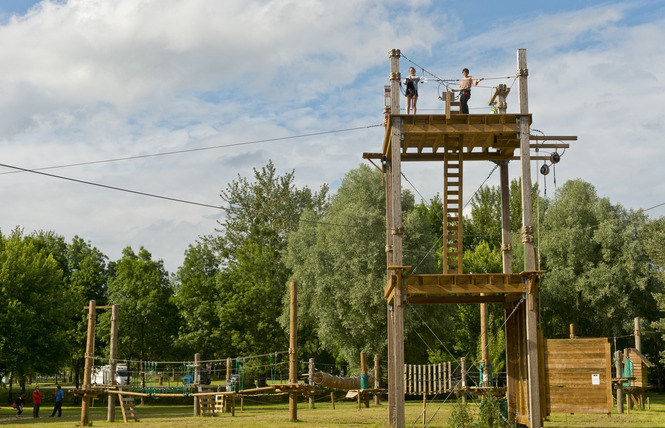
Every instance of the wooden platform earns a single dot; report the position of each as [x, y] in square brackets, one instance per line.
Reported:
[484, 137]
[461, 288]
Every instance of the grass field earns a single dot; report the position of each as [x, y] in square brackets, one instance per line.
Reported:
[345, 414]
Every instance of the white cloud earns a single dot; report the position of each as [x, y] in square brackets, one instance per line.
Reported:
[97, 79]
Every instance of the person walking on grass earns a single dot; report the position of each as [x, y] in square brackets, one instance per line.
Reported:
[59, 396]
[36, 402]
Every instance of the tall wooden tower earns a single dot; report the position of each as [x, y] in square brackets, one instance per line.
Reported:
[455, 139]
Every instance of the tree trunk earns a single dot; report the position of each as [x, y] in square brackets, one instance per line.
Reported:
[21, 382]
[11, 384]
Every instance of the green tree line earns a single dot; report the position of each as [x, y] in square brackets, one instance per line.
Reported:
[229, 297]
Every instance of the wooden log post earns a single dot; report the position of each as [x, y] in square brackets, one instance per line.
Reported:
[424, 409]
[293, 350]
[463, 378]
[113, 354]
[332, 400]
[535, 416]
[572, 331]
[619, 375]
[227, 402]
[629, 401]
[364, 378]
[311, 382]
[394, 223]
[89, 362]
[377, 383]
[484, 321]
[197, 374]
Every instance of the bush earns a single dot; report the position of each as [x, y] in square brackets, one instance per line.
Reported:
[460, 417]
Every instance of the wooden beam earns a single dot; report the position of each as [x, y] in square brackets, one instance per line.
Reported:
[433, 300]
[553, 137]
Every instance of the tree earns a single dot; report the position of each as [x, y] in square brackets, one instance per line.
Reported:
[198, 300]
[87, 274]
[598, 270]
[35, 309]
[253, 236]
[147, 315]
[339, 262]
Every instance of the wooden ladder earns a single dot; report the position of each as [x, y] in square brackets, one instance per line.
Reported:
[452, 206]
[127, 406]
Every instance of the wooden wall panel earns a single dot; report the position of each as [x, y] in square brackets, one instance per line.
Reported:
[570, 366]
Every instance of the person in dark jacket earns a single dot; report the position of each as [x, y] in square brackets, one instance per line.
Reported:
[18, 404]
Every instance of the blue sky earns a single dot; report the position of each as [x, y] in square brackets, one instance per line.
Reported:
[87, 80]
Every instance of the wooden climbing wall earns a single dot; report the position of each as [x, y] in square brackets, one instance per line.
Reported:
[578, 375]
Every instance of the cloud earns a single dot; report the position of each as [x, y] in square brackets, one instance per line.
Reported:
[87, 80]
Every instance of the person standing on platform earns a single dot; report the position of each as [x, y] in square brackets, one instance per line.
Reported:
[36, 402]
[465, 90]
[411, 93]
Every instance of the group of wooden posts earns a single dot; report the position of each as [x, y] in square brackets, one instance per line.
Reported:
[631, 383]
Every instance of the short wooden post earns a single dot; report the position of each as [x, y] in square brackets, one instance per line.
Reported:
[242, 403]
[629, 395]
[363, 373]
[450, 376]
[572, 331]
[424, 410]
[377, 384]
[197, 371]
[332, 400]
[463, 379]
[617, 363]
[227, 403]
[311, 382]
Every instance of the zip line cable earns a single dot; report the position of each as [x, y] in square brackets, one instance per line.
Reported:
[120, 189]
[221, 146]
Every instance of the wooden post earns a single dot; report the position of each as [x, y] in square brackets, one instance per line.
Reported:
[424, 410]
[197, 373]
[89, 362]
[572, 331]
[638, 346]
[529, 254]
[463, 378]
[484, 321]
[311, 381]
[293, 351]
[332, 400]
[619, 375]
[227, 402]
[377, 383]
[629, 402]
[364, 372]
[113, 353]
[396, 389]
[389, 306]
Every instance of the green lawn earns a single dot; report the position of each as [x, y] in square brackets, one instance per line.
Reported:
[345, 414]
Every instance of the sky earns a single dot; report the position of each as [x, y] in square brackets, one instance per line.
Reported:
[103, 92]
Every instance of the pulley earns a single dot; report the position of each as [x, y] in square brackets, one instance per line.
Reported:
[545, 169]
[555, 157]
